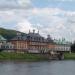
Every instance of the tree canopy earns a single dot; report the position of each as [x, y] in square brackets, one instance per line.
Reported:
[7, 33]
[73, 47]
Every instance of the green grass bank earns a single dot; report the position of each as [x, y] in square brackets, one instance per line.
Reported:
[31, 57]
[21, 56]
[68, 56]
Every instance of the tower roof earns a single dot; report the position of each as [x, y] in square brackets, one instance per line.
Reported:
[49, 39]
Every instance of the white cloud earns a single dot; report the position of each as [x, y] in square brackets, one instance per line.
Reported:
[7, 15]
[24, 2]
[24, 26]
[47, 11]
[15, 4]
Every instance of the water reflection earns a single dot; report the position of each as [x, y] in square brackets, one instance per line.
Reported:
[38, 68]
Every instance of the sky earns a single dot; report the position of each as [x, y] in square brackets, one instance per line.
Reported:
[53, 17]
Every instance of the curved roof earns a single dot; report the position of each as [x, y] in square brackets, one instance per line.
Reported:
[20, 37]
[62, 42]
[34, 34]
[49, 39]
[33, 37]
[2, 38]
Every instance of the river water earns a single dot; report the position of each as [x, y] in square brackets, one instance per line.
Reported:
[38, 68]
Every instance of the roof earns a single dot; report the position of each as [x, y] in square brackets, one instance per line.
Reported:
[49, 40]
[20, 37]
[2, 38]
[35, 37]
[32, 37]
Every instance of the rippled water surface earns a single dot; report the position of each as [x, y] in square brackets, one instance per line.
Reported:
[38, 68]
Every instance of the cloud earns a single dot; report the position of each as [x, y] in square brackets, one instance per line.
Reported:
[24, 2]
[7, 15]
[24, 26]
[15, 4]
[62, 0]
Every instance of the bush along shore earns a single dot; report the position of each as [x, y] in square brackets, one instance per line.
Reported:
[22, 56]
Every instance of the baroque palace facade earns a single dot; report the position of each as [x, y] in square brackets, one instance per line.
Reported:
[32, 42]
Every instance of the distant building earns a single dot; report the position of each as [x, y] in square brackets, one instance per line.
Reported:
[2, 41]
[7, 47]
[62, 45]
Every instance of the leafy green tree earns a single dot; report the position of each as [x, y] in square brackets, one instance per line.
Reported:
[7, 33]
[73, 47]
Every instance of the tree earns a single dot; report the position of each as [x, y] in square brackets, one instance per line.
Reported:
[73, 47]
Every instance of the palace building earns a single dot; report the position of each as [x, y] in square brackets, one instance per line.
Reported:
[32, 42]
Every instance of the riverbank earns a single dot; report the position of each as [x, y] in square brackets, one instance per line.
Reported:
[6, 56]
[22, 56]
[69, 56]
